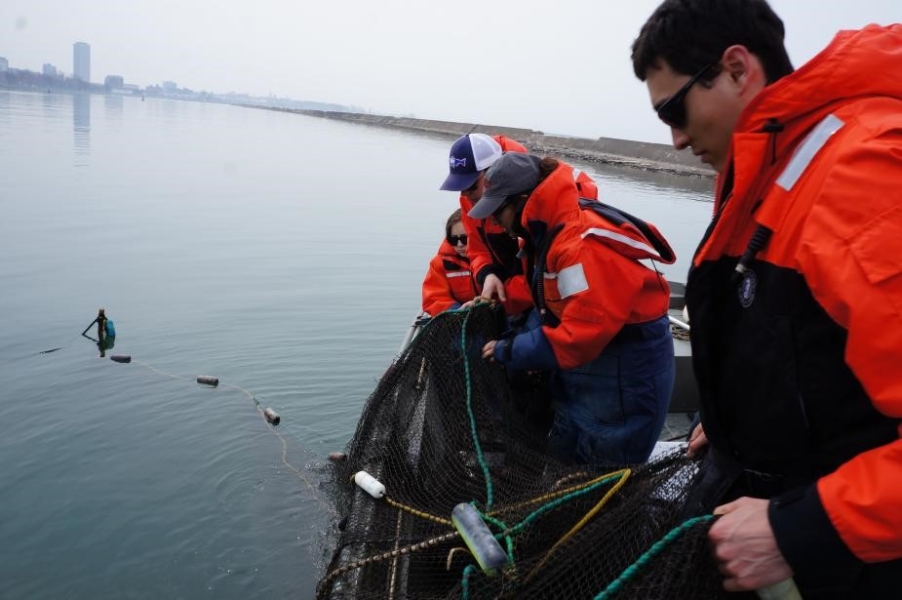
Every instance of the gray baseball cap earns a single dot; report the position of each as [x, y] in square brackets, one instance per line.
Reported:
[513, 173]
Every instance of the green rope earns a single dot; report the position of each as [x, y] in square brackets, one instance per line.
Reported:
[473, 431]
[649, 554]
[489, 493]
[465, 582]
[558, 501]
[508, 534]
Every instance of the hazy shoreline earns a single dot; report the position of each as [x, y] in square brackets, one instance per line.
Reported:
[626, 153]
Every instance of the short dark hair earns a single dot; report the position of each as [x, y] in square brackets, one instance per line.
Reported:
[689, 34]
[454, 218]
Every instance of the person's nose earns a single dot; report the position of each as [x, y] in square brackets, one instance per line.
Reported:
[680, 139]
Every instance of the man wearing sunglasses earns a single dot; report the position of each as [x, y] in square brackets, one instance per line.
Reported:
[795, 292]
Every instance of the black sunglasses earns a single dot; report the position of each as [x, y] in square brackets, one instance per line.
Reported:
[512, 199]
[457, 239]
[673, 110]
[501, 207]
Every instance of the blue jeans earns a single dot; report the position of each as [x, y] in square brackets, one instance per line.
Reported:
[612, 410]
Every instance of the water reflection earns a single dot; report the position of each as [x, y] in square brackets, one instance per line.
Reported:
[51, 103]
[4, 107]
[112, 107]
[81, 124]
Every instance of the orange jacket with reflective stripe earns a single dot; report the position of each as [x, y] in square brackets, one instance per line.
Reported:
[799, 362]
[491, 250]
[593, 281]
[449, 281]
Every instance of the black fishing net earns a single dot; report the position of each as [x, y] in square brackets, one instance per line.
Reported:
[445, 427]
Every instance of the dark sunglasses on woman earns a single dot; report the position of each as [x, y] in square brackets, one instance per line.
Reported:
[457, 239]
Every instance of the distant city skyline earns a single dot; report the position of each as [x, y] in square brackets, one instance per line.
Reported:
[81, 67]
[50, 78]
[81, 61]
[81, 71]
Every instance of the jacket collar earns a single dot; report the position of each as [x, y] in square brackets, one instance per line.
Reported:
[554, 202]
[856, 64]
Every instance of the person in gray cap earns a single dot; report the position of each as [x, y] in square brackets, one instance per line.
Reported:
[603, 330]
[492, 252]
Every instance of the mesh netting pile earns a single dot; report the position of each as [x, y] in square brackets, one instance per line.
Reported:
[444, 427]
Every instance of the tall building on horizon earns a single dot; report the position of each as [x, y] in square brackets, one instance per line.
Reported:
[81, 61]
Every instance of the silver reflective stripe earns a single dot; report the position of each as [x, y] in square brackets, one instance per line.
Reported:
[571, 280]
[806, 151]
[459, 274]
[648, 263]
[627, 241]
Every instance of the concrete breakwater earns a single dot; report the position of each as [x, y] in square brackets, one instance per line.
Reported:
[639, 155]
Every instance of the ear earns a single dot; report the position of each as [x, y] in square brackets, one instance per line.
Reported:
[739, 64]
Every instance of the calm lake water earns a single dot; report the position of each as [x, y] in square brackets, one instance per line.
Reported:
[282, 254]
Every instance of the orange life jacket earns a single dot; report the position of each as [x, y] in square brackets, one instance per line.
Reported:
[493, 251]
[798, 358]
[449, 281]
[589, 270]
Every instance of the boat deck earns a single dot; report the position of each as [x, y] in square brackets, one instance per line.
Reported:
[676, 427]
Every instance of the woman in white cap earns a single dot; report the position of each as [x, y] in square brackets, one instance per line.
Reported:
[493, 253]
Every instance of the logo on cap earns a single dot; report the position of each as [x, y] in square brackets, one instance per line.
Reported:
[469, 155]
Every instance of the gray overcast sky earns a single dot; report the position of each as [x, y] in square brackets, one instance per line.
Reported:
[560, 67]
